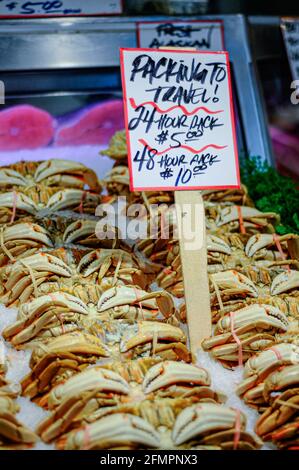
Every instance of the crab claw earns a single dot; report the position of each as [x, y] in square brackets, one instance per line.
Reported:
[10, 177]
[171, 372]
[254, 316]
[231, 213]
[91, 380]
[116, 430]
[79, 229]
[19, 201]
[284, 282]
[217, 244]
[199, 420]
[234, 280]
[43, 262]
[27, 231]
[56, 299]
[70, 198]
[123, 295]
[147, 331]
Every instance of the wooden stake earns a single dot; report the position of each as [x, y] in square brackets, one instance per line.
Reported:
[195, 274]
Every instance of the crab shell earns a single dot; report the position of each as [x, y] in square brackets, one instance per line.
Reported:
[218, 244]
[57, 172]
[13, 435]
[120, 430]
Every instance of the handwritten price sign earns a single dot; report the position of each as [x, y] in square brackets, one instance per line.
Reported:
[202, 35]
[179, 120]
[59, 8]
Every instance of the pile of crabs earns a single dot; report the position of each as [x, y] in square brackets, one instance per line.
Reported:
[106, 324]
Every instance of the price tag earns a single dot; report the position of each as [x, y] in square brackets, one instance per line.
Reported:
[24, 9]
[201, 35]
[290, 30]
[179, 120]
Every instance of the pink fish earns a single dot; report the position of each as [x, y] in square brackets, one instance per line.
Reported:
[93, 125]
[25, 127]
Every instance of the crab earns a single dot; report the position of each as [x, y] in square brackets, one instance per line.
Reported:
[22, 278]
[117, 147]
[119, 431]
[240, 219]
[264, 240]
[171, 277]
[55, 172]
[57, 359]
[130, 302]
[230, 196]
[113, 267]
[155, 339]
[75, 199]
[213, 424]
[279, 422]
[13, 435]
[51, 314]
[117, 182]
[259, 367]
[284, 282]
[240, 334]
[15, 205]
[84, 232]
[20, 239]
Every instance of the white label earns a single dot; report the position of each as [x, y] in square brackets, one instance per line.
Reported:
[179, 119]
[290, 29]
[59, 7]
[202, 35]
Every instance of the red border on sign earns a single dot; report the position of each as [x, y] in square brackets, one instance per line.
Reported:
[138, 23]
[232, 115]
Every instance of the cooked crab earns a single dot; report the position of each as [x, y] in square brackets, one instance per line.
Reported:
[259, 367]
[20, 239]
[55, 172]
[86, 233]
[132, 303]
[210, 424]
[22, 278]
[59, 358]
[242, 333]
[149, 338]
[48, 315]
[112, 267]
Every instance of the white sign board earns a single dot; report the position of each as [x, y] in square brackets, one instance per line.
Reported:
[290, 30]
[179, 120]
[59, 8]
[201, 35]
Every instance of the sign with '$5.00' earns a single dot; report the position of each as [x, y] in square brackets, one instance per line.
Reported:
[179, 120]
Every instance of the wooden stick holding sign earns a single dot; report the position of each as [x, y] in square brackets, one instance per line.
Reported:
[181, 136]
